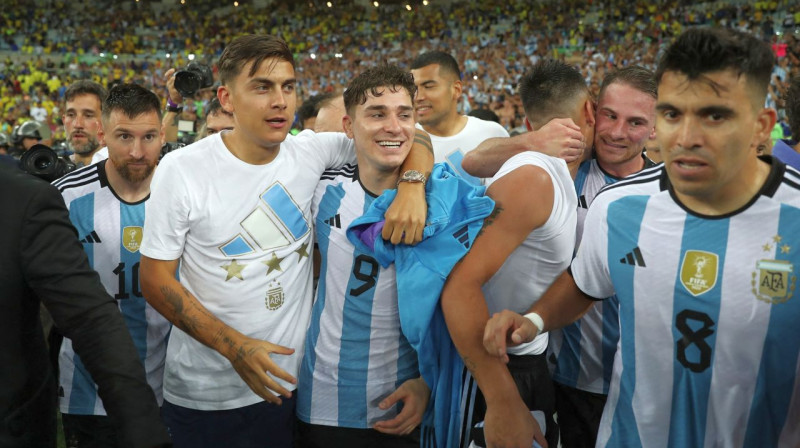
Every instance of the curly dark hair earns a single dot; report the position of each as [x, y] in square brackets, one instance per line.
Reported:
[374, 81]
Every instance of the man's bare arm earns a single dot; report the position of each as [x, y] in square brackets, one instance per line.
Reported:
[170, 121]
[405, 218]
[249, 357]
[560, 137]
[524, 201]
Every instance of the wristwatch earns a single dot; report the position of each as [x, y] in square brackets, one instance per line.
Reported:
[412, 176]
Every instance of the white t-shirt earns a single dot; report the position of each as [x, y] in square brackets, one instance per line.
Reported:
[545, 253]
[244, 238]
[452, 149]
[101, 154]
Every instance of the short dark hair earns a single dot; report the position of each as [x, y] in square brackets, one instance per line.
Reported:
[484, 114]
[703, 50]
[251, 47]
[549, 89]
[85, 87]
[372, 80]
[132, 99]
[635, 76]
[215, 108]
[310, 107]
[793, 107]
[445, 60]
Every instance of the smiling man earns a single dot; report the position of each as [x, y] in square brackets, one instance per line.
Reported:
[232, 212]
[439, 87]
[357, 362]
[82, 107]
[709, 342]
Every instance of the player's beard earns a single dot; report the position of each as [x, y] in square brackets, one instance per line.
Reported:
[130, 175]
[85, 148]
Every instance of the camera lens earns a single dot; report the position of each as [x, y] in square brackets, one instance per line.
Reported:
[187, 83]
[42, 163]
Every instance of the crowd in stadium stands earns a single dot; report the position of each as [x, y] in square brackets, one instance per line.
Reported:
[42, 50]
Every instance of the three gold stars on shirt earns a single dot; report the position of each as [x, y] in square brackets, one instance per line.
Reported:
[785, 248]
[234, 268]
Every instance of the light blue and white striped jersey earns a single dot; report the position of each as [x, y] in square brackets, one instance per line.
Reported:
[581, 355]
[111, 231]
[709, 334]
[355, 352]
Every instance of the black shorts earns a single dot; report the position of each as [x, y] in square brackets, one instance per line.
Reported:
[579, 414]
[321, 436]
[259, 425]
[532, 377]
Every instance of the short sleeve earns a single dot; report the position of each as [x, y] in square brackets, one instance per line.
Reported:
[334, 149]
[166, 213]
[590, 266]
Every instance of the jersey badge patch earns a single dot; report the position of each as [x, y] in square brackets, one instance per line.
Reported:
[699, 271]
[274, 299]
[132, 238]
[773, 281]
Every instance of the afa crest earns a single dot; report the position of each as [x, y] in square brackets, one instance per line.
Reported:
[773, 281]
[699, 271]
[132, 238]
[275, 297]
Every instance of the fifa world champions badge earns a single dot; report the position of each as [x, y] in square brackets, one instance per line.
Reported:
[773, 281]
[132, 238]
[699, 271]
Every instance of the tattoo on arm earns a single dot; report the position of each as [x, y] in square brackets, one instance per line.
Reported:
[185, 319]
[490, 219]
[425, 141]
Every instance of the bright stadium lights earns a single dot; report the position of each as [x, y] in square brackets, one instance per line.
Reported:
[330, 5]
[425, 2]
[313, 56]
[102, 55]
[183, 2]
[191, 56]
[115, 56]
[408, 7]
[375, 4]
[475, 77]
[337, 55]
[235, 3]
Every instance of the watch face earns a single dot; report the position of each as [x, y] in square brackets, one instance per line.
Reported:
[413, 175]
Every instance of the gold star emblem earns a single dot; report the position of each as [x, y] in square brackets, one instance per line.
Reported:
[302, 251]
[777, 238]
[234, 269]
[785, 249]
[767, 247]
[273, 264]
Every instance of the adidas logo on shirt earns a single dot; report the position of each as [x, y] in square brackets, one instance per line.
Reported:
[334, 221]
[462, 235]
[634, 258]
[91, 238]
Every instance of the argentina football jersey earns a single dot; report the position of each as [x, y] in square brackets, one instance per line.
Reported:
[111, 232]
[355, 353]
[709, 341]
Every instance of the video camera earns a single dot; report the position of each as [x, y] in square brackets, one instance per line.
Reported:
[193, 77]
[44, 163]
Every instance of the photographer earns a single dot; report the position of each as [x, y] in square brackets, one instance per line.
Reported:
[181, 84]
